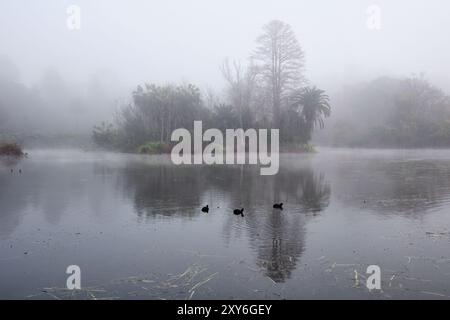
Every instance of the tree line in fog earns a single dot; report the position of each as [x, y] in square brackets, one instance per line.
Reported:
[269, 92]
[390, 112]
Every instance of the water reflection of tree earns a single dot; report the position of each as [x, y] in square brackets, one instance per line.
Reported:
[402, 187]
[43, 189]
[12, 204]
[277, 237]
[165, 190]
[52, 189]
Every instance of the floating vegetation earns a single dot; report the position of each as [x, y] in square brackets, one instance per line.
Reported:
[56, 293]
[437, 235]
[179, 286]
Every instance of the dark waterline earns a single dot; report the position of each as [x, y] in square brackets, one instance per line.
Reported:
[135, 227]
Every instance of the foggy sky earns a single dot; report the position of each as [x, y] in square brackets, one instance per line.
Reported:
[171, 41]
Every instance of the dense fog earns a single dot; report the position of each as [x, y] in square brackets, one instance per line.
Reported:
[66, 66]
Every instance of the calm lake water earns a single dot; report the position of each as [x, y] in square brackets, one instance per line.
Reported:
[134, 226]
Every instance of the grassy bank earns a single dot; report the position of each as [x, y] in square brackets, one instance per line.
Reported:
[298, 148]
[154, 148]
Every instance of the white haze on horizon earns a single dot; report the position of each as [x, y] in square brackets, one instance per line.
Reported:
[134, 42]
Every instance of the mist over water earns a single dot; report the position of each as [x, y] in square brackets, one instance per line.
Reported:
[91, 93]
[134, 224]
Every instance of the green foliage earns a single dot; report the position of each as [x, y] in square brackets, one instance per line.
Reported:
[154, 148]
[298, 148]
[395, 113]
[154, 113]
[224, 117]
[309, 148]
[307, 112]
[146, 124]
[105, 136]
[158, 110]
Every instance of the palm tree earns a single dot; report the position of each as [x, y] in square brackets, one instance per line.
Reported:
[315, 107]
